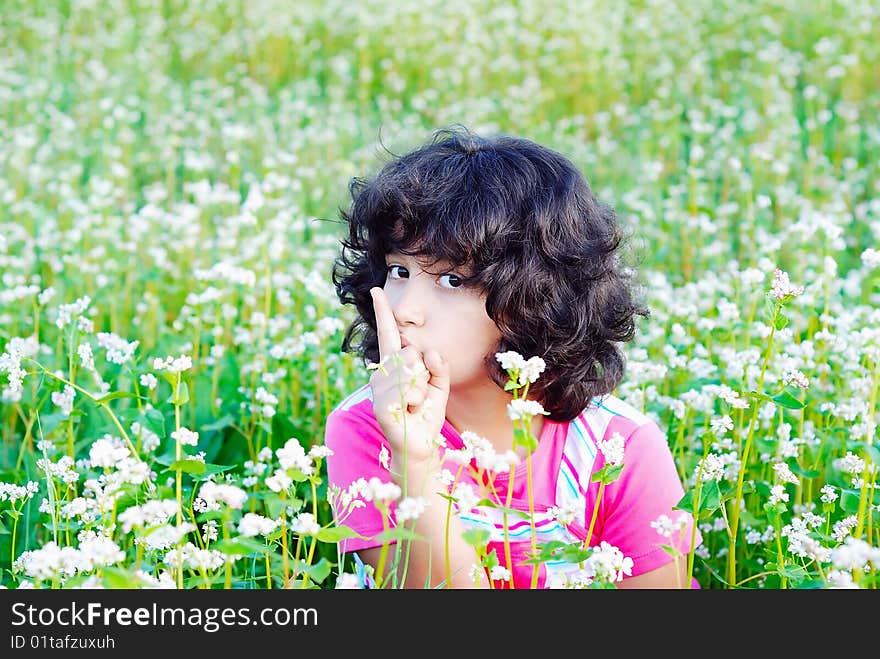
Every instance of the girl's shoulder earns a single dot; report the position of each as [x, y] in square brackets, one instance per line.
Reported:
[356, 400]
[352, 422]
[608, 414]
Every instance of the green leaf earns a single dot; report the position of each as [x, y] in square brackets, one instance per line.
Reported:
[194, 467]
[793, 572]
[672, 551]
[117, 579]
[214, 469]
[317, 572]
[397, 533]
[274, 504]
[114, 396]
[781, 321]
[337, 533]
[803, 472]
[849, 500]
[557, 550]
[182, 397]
[524, 438]
[219, 424]
[710, 499]
[612, 473]
[788, 401]
[490, 560]
[476, 537]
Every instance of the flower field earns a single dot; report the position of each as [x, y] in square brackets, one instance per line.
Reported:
[171, 175]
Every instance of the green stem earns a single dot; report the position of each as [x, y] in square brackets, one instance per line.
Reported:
[595, 515]
[740, 480]
[867, 481]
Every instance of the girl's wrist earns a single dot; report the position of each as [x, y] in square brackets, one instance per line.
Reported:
[416, 472]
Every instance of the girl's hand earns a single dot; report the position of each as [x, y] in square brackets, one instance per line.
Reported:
[410, 390]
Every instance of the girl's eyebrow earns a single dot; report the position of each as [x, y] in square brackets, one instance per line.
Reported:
[423, 263]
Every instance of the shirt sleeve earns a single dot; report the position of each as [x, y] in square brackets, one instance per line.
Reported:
[356, 440]
[647, 488]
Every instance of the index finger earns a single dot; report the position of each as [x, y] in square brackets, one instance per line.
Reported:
[386, 324]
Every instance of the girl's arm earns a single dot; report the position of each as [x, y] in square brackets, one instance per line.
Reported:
[427, 556]
[671, 575]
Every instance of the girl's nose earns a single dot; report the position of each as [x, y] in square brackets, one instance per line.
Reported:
[408, 304]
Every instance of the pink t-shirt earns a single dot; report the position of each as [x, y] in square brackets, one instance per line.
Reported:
[564, 494]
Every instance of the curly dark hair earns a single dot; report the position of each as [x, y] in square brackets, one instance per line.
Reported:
[540, 246]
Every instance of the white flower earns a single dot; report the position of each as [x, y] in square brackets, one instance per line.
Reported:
[214, 494]
[500, 573]
[66, 312]
[510, 360]
[86, 357]
[608, 563]
[293, 456]
[320, 451]
[149, 440]
[612, 449]
[784, 473]
[564, 514]
[64, 399]
[411, 508]
[185, 436]
[149, 381]
[46, 296]
[305, 524]
[279, 481]
[777, 494]
[520, 408]
[173, 365]
[712, 468]
[782, 287]
[720, 425]
[385, 458]
[849, 464]
[107, 452]
[526, 371]
[12, 492]
[796, 378]
[669, 528]
[465, 497]
[348, 581]
[10, 361]
[828, 494]
[531, 371]
[871, 257]
[118, 349]
[378, 490]
[252, 524]
[151, 513]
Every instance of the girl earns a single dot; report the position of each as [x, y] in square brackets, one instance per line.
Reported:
[460, 254]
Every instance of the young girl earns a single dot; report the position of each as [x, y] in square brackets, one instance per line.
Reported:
[459, 254]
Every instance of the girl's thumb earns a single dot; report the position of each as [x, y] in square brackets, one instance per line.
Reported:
[439, 369]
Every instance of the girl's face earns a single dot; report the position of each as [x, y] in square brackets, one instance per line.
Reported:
[435, 311]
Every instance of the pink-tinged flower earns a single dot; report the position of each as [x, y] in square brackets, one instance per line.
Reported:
[782, 288]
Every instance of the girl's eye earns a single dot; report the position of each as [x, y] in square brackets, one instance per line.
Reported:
[450, 280]
[397, 272]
